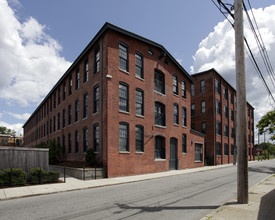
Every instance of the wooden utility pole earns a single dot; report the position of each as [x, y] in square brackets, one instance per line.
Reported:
[242, 166]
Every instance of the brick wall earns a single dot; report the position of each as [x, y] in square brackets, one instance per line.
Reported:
[210, 117]
[119, 163]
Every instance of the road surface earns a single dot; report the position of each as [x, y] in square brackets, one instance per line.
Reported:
[185, 196]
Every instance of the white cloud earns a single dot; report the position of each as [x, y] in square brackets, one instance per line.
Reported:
[179, 61]
[16, 127]
[217, 51]
[29, 59]
[24, 116]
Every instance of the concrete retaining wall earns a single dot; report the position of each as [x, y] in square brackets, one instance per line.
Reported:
[25, 158]
[79, 173]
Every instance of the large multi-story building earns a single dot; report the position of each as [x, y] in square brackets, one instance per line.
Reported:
[127, 98]
[213, 110]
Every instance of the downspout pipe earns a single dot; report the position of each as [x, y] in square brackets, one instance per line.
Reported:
[101, 103]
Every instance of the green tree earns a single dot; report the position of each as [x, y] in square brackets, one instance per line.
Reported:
[267, 149]
[91, 157]
[267, 123]
[54, 150]
[4, 130]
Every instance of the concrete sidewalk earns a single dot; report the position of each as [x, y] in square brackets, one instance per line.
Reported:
[261, 204]
[76, 184]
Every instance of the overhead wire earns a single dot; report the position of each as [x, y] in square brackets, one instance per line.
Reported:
[261, 49]
[251, 57]
[259, 33]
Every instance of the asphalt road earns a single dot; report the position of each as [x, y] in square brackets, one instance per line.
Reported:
[186, 196]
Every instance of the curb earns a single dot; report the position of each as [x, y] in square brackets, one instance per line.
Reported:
[216, 211]
[117, 180]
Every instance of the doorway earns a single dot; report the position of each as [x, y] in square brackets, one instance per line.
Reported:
[173, 161]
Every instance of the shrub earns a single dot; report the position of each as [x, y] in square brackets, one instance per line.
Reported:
[91, 157]
[54, 150]
[1, 178]
[14, 177]
[51, 177]
[37, 176]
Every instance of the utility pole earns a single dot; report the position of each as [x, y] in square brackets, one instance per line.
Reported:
[258, 139]
[242, 166]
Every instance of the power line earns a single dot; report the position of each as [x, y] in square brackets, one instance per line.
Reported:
[261, 47]
[258, 69]
[221, 5]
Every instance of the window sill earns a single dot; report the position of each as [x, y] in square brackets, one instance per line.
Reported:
[124, 71]
[124, 152]
[141, 79]
[160, 126]
[177, 95]
[198, 161]
[177, 125]
[184, 126]
[184, 153]
[139, 152]
[95, 113]
[159, 93]
[140, 116]
[84, 118]
[184, 98]
[124, 112]
[160, 160]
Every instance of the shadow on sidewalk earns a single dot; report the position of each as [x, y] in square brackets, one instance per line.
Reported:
[269, 170]
[267, 206]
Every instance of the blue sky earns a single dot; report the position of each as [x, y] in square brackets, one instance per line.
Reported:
[44, 37]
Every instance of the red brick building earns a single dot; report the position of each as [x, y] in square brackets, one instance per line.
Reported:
[129, 99]
[213, 110]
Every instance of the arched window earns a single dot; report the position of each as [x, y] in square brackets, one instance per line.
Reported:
[85, 139]
[96, 137]
[123, 97]
[76, 141]
[139, 102]
[139, 138]
[123, 57]
[159, 82]
[159, 114]
[123, 136]
[96, 99]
